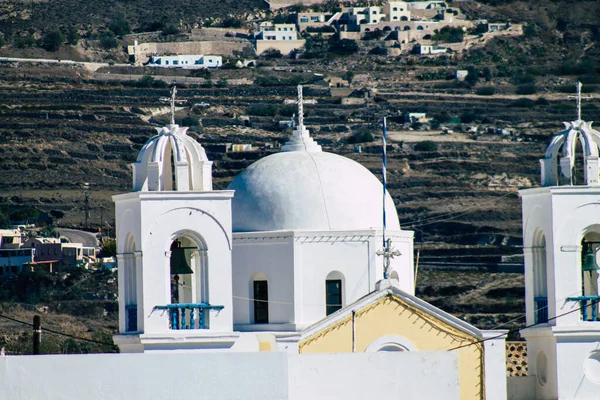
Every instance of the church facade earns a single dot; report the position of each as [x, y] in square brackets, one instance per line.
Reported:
[293, 246]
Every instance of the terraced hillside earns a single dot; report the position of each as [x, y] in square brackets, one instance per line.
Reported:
[62, 126]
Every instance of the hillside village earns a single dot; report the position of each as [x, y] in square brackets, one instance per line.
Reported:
[472, 93]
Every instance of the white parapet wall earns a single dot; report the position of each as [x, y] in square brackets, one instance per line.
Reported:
[264, 376]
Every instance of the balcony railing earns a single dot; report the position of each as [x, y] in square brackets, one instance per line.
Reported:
[188, 315]
[589, 307]
[131, 316]
[541, 310]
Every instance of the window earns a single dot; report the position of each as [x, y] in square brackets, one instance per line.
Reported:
[314, 18]
[166, 62]
[333, 295]
[303, 20]
[175, 62]
[289, 38]
[261, 302]
[395, 8]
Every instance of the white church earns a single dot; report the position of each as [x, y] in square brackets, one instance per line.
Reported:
[293, 239]
[283, 287]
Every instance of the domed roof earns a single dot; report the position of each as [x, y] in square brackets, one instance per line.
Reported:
[304, 188]
[171, 160]
[561, 151]
[309, 190]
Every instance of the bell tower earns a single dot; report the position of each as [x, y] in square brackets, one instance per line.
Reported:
[561, 239]
[174, 249]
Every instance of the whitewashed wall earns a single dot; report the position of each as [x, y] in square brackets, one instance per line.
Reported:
[247, 376]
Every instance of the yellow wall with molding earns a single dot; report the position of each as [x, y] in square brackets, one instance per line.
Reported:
[394, 316]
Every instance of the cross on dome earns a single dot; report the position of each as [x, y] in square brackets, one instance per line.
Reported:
[301, 140]
[579, 98]
[173, 101]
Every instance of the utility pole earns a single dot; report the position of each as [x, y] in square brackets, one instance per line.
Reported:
[37, 334]
[86, 195]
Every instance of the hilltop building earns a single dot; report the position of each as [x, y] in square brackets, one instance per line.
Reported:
[281, 37]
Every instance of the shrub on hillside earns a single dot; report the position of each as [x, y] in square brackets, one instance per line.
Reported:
[119, 26]
[231, 22]
[52, 41]
[449, 35]
[362, 136]
[527, 89]
[523, 103]
[343, 47]
[486, 91]
[25, 41]
[261, 110]
[109, 41]
[426, 145]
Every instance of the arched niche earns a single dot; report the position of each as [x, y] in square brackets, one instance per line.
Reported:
[130, 283]
[188, 263]
[390, 343]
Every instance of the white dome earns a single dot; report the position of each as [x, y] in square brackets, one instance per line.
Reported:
[309, 190]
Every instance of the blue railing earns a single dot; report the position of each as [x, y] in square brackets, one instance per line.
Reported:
[131, 316]
[589, 307]
[188, 315]
[541, 310]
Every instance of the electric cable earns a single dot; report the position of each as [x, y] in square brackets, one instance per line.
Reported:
[57, 332]
[526, 327]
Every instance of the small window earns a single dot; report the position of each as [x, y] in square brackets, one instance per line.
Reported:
[313, 18]
[289, 38]
[303, 20]
[261, 302]
[333, 295]
[395, 8]
[166, 62]
[175, 62]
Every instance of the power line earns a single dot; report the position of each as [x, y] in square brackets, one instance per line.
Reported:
[57, 332]
[526, 327]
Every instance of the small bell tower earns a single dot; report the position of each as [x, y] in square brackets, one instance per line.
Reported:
[174, 249]
[561, 240]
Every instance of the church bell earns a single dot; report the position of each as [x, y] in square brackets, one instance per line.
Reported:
[180, 259]
[589, 259]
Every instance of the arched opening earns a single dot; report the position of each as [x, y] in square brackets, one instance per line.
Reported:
[403, 18]
[540, 280]
[188, 265]
[397, 28]
[367, 30]
[334, 292]
[590, 255]
[130, 284]
[391, 347]
[260, 296]
[387, 29]
[169, 168]
[419, 28]
[578, 171]
[407, 28]
[394, 275]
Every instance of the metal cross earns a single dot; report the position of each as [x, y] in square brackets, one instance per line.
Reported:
[300, 103]
[579, 98]
[388, 253]
[173, 101]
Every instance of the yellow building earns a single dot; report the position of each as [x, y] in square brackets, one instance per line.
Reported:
[391, 320]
